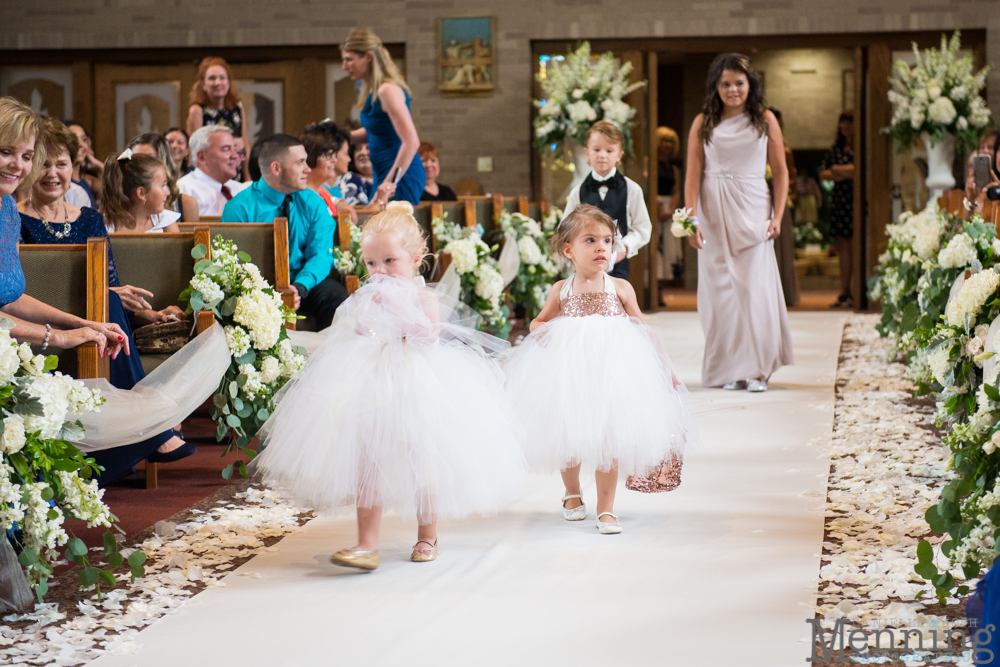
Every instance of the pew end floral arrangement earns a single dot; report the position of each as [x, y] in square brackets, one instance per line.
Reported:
[45, 480]
[581, 91]
[482, 286]
[348, 261]
[944, 331]
[939, 95]
[538, 268]
[263, 359]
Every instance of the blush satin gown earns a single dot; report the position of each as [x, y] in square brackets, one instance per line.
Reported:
[740, 301]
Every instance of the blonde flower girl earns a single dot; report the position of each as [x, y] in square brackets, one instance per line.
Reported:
[400, 407]
[592, 384]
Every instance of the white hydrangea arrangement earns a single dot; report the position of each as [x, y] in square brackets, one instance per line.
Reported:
[580, 91]
[348, 261]
[915, 273]
[538, 269]
[938, 95]
[263, 359]
[44, 479]
[481, 282]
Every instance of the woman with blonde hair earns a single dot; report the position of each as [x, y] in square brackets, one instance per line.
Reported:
[668, 196]
[216, 101]
[386, 123]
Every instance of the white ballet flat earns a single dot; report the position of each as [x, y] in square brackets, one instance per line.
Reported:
[575, 513]
[606, 527]
[756, 385]
[739, 384]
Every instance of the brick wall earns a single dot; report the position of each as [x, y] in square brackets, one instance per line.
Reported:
[464, 129]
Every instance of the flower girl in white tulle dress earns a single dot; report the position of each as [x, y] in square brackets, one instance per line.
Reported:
[400, 407]
[593, 384]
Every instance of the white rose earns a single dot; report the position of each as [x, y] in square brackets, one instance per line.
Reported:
[260, 313]
[981, 331]
[463, 254]
[578, 93]
[961, 123]
[934, 92]
[974, 347]
[270, 369]
[990, 445]
[9, 362]
[24, 352]
[12, 439]
[528, 250]
[942, 110]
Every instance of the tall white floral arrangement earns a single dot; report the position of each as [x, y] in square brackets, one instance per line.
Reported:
[939, 94]
[580, 91]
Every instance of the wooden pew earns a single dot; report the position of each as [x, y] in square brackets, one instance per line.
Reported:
[84, 293]
[160, 263]
[991, 212]
[951, 201]
[74, 279]
[206, 218]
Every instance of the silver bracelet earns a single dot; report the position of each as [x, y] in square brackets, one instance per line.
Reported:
[48, 332]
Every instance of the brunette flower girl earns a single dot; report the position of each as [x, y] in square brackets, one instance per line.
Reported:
[400, 407]
[592, 383]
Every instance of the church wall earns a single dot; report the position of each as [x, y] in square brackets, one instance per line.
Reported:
[465, 129]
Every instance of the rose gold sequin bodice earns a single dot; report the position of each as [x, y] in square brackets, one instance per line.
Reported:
[604, 303]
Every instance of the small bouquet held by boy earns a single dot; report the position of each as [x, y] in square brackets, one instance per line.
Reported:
[593, 383]
[401, 406]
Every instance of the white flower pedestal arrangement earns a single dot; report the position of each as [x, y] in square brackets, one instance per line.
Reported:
[937, 102]
[577, 93]
[581, 168]
[940, 163]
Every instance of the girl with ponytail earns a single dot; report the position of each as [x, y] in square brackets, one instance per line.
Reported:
[136, 191]
[386, 123]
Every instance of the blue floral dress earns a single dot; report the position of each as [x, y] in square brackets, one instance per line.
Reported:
[11, 275]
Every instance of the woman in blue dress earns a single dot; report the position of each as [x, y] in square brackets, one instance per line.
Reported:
[387, 126]
[46, 217]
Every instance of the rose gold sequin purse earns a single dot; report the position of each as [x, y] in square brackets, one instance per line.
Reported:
[665, 478]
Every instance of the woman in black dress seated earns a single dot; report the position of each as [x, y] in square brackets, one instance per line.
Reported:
[433, 191]
[45, 217]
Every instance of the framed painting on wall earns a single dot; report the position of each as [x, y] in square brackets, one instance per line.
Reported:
[47, 90]
[144, 107]
[467, 56]
[264, 104]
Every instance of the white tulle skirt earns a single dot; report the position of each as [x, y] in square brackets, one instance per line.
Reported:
[596, 390]
[396, 411]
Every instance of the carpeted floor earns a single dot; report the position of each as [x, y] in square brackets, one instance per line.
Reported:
[681, 300]
[181, 485]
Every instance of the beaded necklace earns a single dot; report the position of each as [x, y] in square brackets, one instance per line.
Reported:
[67, 228]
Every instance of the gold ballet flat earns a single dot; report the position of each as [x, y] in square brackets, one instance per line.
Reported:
[362, 560]
[422, 555]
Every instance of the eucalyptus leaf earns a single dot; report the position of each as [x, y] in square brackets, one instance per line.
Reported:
[199, 251]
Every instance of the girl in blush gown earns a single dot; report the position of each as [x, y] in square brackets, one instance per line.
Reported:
[740, 300]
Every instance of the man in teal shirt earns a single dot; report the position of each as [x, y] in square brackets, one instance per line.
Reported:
[281, 192]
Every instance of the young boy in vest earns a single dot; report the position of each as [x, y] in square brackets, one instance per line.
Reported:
[609, 190]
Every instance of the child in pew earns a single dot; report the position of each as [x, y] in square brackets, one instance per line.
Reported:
[593, 383]
[611, 191]
[401, 406]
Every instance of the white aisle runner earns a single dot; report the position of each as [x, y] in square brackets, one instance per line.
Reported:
[720, 572]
